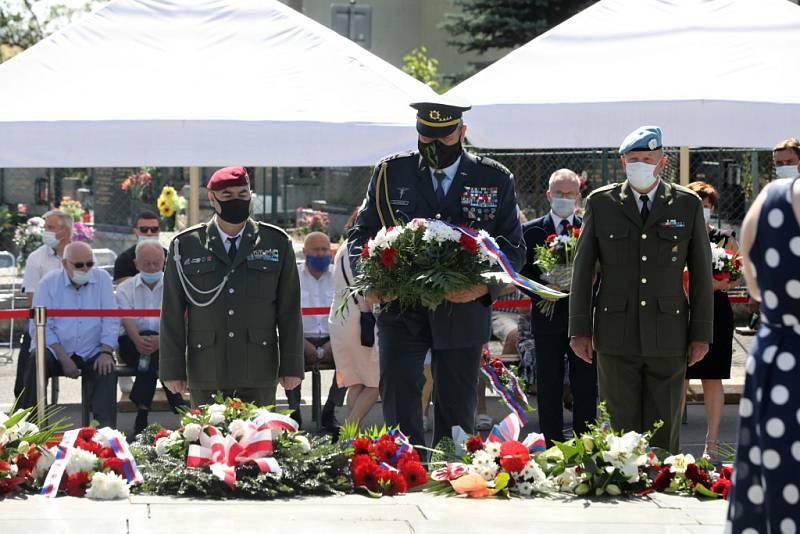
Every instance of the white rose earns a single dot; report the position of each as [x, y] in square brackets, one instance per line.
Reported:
[161, 446]
[216, 408]
[303, 441]
[108, 486]
[191, 432]
[216, 418]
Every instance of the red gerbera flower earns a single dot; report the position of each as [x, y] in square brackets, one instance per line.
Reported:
[106, 452]
[514, 456]
[550, 238]
[235, 404]
[195, 411]
[77, 484]
[726, 473]
[414, 474]
[474, 444]
[722, 486]
[384, 451]
[361, 445]
[163, 433]
[91, 446]
[662, 479]
[114, 464]
[365, 251]
[408, 457]
[366, 475]
[87, 433]
[470, 244]
[360, 459]
[392, 482]
[696, 475]
[388, 257]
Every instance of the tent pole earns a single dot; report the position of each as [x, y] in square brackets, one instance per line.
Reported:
[684, 165]
[194, 195]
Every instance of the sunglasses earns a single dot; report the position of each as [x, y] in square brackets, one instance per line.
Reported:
[148, 229]
[82, 264]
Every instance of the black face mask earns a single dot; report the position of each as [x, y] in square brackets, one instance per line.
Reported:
[234, 211]
[439, 155]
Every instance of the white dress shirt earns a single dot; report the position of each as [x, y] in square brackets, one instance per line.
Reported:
[650, 197]
[78, 335]
[40, 262]
[449, 172]
[557, 221]
[134, 294]
[224, 236]
[315, 293]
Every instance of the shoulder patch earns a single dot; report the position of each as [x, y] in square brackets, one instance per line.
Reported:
[489, 162]
[399, 155]
[262, 224]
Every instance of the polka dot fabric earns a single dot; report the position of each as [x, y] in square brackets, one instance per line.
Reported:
[765, 497]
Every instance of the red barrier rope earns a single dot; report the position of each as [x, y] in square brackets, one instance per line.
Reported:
[15, 314]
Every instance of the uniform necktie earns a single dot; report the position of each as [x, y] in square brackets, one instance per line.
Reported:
[645, 210]
[564, 225]
[232, 248]
[440, 177]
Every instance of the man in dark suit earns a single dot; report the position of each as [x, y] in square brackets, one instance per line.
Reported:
[550, 332]
[440, 181]
[642, 233]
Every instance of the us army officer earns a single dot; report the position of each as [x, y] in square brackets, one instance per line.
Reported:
[439, 181]
[230, 319]
[643, 232]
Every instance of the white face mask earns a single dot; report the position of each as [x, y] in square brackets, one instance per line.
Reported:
[707, 214]
[49, 239]
[786, 171]
[641, 175]
[563, 207]
[146, 238]
[81, 277]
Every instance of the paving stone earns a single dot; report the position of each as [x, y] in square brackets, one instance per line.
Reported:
[534, 525]
[266, 522]
[67, 508]
[57, 526]
[218, 515]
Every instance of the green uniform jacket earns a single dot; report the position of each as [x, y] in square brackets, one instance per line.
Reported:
[253, 332]
[641, 307]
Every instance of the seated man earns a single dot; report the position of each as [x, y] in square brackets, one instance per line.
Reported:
[145, 229]
[138, 345]
[78, 346]
[316, 290]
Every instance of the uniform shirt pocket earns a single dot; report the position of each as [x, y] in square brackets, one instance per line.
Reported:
[261, 278]
[610, 321]
[613, 244]
[403, 208]
[673, 246]
[673, 323]
[262, 356]
[202, 365]
[203, 275]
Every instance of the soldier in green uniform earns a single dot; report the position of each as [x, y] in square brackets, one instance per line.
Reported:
[230, 316]
[643, 232]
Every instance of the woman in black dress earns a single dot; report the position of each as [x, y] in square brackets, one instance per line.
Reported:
[716, 366]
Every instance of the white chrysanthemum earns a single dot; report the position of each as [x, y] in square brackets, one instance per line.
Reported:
[81, 460]
[216, 418]
[43, 464]
[493, 448]
[191, 432]
[440, 232]
[486, 471]
[393, 234]
[216, 408]
[107, 487]
[480, 458]
[303, 441]
[524, 488]
[236, 427]
[162, 445]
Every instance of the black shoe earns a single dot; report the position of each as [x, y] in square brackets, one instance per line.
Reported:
[141, 422]
[329, 421]
[298, 417]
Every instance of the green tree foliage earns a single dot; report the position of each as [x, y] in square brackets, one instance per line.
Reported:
[483, 25]
[418, 64]
[23, 23]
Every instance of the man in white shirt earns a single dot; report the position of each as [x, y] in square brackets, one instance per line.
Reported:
[79, 346]
[316, 291]
[46, 258]
[138, 344]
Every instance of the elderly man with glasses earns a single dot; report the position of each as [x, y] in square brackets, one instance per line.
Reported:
[145, 229]
[79, 346]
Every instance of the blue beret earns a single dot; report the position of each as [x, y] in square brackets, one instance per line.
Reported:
[642, 138]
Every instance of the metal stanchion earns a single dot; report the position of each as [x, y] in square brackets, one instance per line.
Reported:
[39, 320]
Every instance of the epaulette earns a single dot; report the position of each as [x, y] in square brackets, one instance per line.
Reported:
[399, 155]
[263, 224]
[604, 188]
[683, 189]
[489, 162]
[191, 229]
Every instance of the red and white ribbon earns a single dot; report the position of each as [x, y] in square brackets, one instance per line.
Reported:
[62, 453]
[119, 445]
[275, 421]
[224, 453]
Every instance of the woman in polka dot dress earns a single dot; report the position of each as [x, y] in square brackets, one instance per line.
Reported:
[766, 491]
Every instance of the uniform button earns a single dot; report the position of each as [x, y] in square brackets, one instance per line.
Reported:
[611, 236]
[675, 238]
[605, 308]
[230, 334]
[677, 312]
[674, 258]
[644, 303]
[199, 346]
[644, 236]
[644, 280]
[231, 291]
[644, 258]
[233, 271]
[230, 312]
[264, 343]
[438, 215]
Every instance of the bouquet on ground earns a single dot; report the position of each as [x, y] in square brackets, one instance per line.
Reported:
[236, 449]
[602, 460]
[88, 462]
[382, 461]
[725, 264]
[682, 474]
[27, 238]
[424, 260]
[505, 383]
[555, 259]
[21, 445]
[501, 465]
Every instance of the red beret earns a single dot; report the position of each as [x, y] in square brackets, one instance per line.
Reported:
[228, 177]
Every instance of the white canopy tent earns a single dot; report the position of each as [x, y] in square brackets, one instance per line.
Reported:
[202, 83]
[720, 73]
